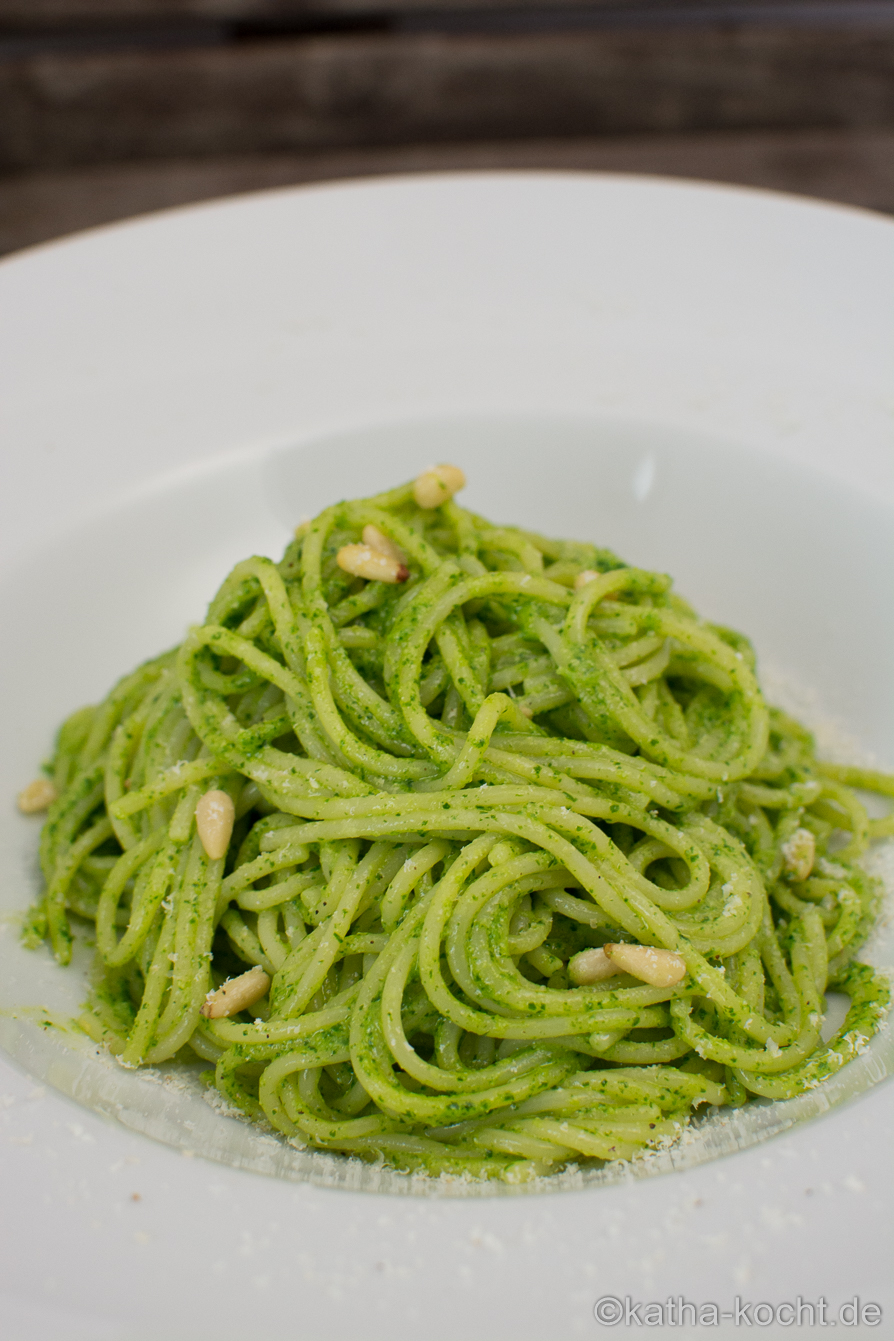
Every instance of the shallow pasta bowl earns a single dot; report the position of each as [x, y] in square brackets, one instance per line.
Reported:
[693, 376]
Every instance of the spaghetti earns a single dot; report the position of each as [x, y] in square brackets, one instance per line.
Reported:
[447, 789]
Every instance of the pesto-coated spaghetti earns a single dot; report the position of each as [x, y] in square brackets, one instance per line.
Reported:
[448, 787]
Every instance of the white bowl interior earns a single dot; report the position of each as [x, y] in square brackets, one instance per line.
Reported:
[798, 561]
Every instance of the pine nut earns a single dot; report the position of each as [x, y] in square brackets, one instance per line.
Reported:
[659, 968]
[435, 486]
[799, 853]
[215, 814]
[378, 540]
[364, 561]
[590, 966]
[38, 795]
[236, 994]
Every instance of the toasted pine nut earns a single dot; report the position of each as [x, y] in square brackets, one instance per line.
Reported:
[590, 966]
[215, 814]
[799, 853]
[37, 796]
[435, 486]
[236, 994]
[364, 561]
[659, 968]
[525, 710]
[378, 540]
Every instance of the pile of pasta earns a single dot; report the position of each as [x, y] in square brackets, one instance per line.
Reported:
[458, 847]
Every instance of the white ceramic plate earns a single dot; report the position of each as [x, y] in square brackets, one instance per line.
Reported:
[697, 376]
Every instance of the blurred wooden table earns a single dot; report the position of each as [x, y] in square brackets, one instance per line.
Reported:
[111, 108]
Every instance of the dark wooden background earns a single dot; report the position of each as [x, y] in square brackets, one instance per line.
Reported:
[114, 107]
